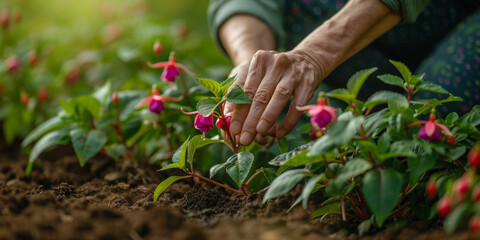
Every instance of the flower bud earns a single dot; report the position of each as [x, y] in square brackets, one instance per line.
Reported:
[157, 48]
[24, 98]
[444, 206]
[170, 73]
[72, 77]
[115, 99]
[4, 18]
[461, 186]
[451, 140]
[203, 123]
[32, 58]
[42, 94]
[221, 123]
[474, 156]
[431, 189]
[12, 64]
[156, 106]
[474, 223]
[476, 193]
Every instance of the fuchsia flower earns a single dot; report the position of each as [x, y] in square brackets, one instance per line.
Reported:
[203, 123]
[170, 71]
[155, 102]
[321, 114]
[12, 64]
[221, 123]
[429, 130]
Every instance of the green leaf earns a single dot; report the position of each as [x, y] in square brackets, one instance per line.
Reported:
[282, 145]
[472, 118]
[170, 166]
[269, 174]
[91, 104]
[239, 170]
[225, 85]
[351, 169]
[68, 106]
[381, 97]
[375, 120]
[340, 132]
[299, 160]
[103, 93]
[451, 118]
[176, 155]
[356, 82]
[13, 124]
[116, 150]
[216, 168]
[284, 183]
[163, 185]
[192, 147]
[342, 94]
[431, 87]
[237, 95]
[284, 157]
[87, 143]
[308, 188]
[458, 217]
[206, 106]
[402, 148]
[403, 69]
[49, 125]
[183, 154]
[391, 80]
[382, 190]
[329, 208]
[48, 141]
[418, 166]
[211, 85]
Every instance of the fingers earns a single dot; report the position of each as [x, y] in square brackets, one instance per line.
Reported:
[262, 97]
[301, 96]
[241, 70]
[256, 72]
[280, 98]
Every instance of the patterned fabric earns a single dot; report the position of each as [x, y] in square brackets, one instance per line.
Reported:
[441, 32]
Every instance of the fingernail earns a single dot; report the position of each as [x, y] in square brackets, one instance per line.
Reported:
[246, 138]
[262, 126]
[281, 132]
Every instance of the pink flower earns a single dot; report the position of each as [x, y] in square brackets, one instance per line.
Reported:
[155, 102]
[12, 64]
[321, 114]
[203, 123]
[221, 123]
[429, 130]
[170, 71]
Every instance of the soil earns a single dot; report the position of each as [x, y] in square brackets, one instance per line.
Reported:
[62, 200]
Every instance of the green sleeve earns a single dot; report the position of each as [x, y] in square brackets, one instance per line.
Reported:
[408, 9]
[269, 11]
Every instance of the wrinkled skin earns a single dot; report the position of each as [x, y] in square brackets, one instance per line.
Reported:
[270, 80]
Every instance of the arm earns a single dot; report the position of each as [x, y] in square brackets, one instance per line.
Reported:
[273, 77]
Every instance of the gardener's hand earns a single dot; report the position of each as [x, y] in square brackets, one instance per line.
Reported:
[271, 80]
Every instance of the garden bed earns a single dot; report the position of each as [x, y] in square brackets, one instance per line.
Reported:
[62, 200]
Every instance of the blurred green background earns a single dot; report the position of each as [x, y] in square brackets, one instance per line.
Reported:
[80, 45]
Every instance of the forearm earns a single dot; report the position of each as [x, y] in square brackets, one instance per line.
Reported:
[347, 32]
[242, 35]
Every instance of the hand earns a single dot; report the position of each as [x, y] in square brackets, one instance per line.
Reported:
[271, 80]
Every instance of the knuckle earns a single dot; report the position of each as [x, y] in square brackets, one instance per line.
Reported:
[262, 97]
[283, 90]
[250, 92]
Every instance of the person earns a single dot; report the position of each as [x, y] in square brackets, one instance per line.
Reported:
[323, 38]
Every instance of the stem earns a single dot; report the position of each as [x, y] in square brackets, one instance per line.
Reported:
[342, 208]
[252, 177]
[216, 183]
